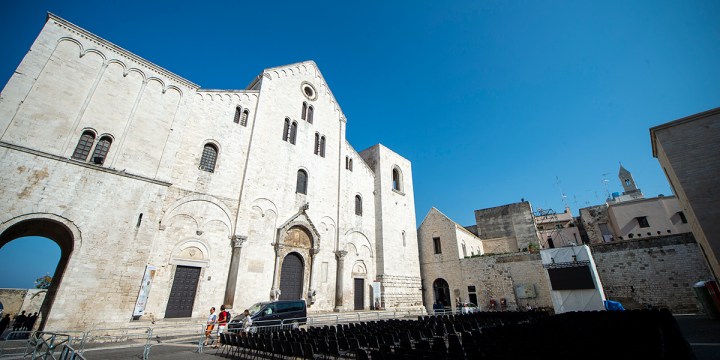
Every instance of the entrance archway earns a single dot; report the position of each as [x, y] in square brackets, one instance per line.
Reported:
[441, 290]
[50, 228]
[292, 277]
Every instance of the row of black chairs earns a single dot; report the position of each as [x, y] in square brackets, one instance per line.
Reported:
[646, 334]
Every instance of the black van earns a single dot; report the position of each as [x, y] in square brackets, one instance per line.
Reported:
[273, 313]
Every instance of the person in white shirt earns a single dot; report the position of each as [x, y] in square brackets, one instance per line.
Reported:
[247, 321]
[212, 320]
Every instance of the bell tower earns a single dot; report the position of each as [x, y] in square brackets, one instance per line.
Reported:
[628, 183]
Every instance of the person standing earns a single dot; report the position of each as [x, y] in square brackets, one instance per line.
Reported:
[19, 321]
[212, 320]
[223, 319]
[247, 321]
[30, 322]
[4, 323]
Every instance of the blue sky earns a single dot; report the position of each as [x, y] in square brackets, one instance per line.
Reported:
[492, 101]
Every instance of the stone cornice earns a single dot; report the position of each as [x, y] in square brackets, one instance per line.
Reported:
[117, 49]
[81, 164]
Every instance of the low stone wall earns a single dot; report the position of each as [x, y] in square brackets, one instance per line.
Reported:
[658, 271]
[519, 278]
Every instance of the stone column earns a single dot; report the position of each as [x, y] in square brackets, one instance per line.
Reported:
[311, 288]
[275, 291]
[340, 256]
[237, 243]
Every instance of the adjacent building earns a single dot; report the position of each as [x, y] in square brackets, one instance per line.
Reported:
[688, 150]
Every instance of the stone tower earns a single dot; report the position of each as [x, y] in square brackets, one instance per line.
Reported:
[396, 239]
[628, 183]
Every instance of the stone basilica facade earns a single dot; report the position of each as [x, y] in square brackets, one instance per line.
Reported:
[167, 199]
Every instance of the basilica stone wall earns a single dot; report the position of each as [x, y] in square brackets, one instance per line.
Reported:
[200, 187]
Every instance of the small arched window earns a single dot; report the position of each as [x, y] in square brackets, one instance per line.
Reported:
[350, 163]
[397, 179]
[302, 182]
[316, 150]
[209, 158]
[286, 129]
[309, 116]
[244, 117]
[358, 205]
[101, 150]
[322, 146]
[303, 114]
[293, 132]
[82, 150]
[238, 113]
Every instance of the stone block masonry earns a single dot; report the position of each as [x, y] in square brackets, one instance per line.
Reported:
[658, 271]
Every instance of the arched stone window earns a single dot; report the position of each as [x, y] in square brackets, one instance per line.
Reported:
[82, 150]
[238, 112]
[302, 182]
[290, 131]
[244, 117]
[209, 158]
[286, 129]
[397, 182]
[322, 146]
[303, 114]
[309, 116]
[317, 143]
[101, 150]
[358, 205]
[293, 132]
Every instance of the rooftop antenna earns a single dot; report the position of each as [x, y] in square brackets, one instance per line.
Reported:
[605, 182]
[562, 194]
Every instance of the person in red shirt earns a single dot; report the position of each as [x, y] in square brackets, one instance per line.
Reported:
[223, 319]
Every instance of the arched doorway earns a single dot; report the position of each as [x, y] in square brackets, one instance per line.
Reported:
[54, 230]
[291, 277]
[441, 290]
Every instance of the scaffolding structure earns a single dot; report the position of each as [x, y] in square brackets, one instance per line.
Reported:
[548, 236]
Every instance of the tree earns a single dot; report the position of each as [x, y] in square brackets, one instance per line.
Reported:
[43, 282]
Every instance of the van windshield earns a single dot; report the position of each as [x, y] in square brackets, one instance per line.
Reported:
[256, 308]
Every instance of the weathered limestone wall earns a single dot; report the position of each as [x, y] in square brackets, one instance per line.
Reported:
[518, 278]
[687, 150]
[657, 271]
[591, 218]
[500, 246]
[507, 221]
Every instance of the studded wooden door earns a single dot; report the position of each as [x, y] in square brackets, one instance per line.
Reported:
[359, 294]
[291, 277]
[182, 295]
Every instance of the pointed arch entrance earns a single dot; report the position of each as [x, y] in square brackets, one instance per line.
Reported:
[292, 277]
[441, 292]
[52, 227]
